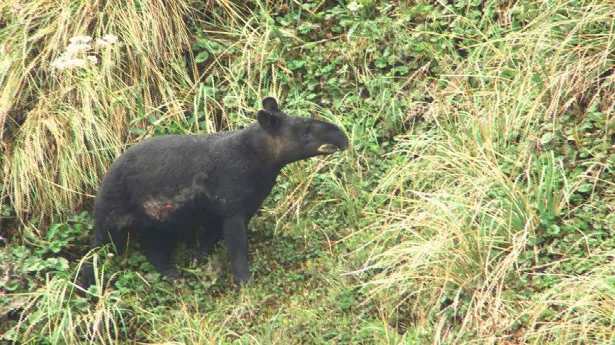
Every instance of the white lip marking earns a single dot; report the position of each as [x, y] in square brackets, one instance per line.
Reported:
[327, 148]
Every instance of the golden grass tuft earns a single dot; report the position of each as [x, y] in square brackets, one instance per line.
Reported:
[578, 310]
[65, 126]
[52, 310]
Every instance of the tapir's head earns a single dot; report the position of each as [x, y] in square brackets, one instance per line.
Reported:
[293, 138]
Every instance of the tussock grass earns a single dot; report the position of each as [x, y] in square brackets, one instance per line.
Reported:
[579, 309]
[456, 245]
[470, 196]
[77, 120]
[50, 314]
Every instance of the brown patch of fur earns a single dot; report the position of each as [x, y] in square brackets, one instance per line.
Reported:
[275, 146]
[161, 207]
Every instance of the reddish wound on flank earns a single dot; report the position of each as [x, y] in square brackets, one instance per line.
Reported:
[169, 205]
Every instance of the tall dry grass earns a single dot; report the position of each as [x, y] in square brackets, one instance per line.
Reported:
[579, 308]
[62, 127]
[471, 194]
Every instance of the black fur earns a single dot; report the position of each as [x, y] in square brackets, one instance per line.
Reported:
[166, 186]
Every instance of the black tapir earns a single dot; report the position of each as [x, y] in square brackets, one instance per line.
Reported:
[167, 186]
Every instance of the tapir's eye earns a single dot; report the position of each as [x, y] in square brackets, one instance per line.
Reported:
[306, 132]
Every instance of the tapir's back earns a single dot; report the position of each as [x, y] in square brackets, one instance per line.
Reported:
[159, 176]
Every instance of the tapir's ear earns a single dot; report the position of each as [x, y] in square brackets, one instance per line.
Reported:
[270, 104]
[269, 121]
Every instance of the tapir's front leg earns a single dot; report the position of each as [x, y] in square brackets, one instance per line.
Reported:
[236, 237]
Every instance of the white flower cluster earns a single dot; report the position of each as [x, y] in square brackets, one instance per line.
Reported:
[77, 54]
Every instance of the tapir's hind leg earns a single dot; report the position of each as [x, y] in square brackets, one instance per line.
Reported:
[208, 238]
[107, 229]
[158, 248]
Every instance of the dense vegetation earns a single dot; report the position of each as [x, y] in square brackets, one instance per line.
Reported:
[475, 205]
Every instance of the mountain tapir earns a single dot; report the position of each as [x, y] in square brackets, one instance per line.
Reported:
[167, 186]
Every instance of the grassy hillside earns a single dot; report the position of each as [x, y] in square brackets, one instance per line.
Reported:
[476, 203]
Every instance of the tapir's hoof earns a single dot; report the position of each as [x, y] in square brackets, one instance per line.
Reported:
[171, 273]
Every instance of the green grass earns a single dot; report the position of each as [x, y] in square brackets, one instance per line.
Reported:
[475, 204]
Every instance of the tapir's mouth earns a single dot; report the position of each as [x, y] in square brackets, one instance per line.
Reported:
[328, 148]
